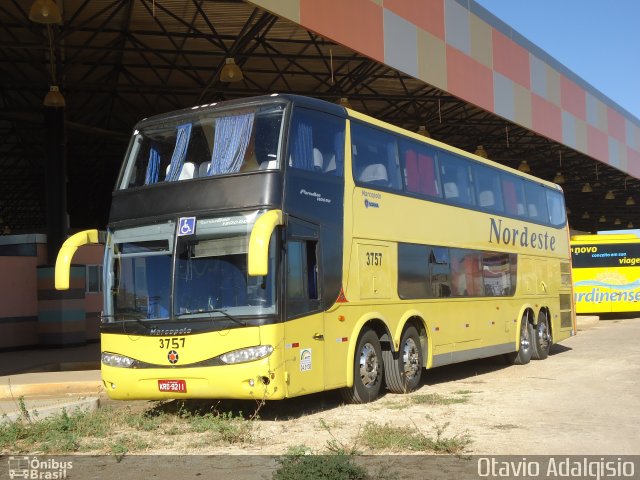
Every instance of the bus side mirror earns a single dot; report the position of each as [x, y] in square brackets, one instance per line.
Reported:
[259, 242]
[69, 247]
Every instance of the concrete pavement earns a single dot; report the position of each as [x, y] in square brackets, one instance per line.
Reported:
[47, 380]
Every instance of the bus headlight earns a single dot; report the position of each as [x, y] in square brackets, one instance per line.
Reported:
[115, 360]
[247, 354]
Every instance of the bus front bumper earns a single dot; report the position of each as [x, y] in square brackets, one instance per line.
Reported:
[246, 381]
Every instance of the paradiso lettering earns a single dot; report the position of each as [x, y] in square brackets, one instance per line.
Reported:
[522, 237]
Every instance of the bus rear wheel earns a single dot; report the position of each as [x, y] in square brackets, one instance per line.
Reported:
[525, 350]
[541, 338]
[368, 370]
[402, 370]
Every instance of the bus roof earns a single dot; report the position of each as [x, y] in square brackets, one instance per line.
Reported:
[300, 100]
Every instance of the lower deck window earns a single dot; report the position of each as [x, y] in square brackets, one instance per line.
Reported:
[435, 272]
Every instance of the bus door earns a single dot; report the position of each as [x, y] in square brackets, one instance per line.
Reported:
[304, 322]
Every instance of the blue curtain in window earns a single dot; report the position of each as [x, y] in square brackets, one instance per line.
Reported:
[179, 152]
[302, 148]
[230, 143]
[153, 167]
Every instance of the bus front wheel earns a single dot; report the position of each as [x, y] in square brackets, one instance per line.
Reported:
[368, 370]
[525, 350]
[541, 338]
[403, 370]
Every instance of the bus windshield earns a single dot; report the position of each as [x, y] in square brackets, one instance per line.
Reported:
[207, 279]
[204, 145]
[211, 274]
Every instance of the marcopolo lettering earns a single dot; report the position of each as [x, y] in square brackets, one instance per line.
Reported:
[520, 237]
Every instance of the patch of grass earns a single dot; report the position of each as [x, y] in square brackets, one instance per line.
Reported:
[146, 421]
[300, 463]
[436, 399]
[225, 427]
[61, 433]
[391, 405]
[124, 444]
[505, 426]
[463, 392]
[388, 437]
[336, 446]
[114, 429]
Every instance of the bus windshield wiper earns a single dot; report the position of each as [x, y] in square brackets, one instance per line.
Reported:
[132, 315]
[214, 310]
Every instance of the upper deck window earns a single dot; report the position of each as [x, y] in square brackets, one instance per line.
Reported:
[317, 142]
[206, 144]
[375, 157]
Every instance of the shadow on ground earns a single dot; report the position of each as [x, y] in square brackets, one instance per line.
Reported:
[294, 408]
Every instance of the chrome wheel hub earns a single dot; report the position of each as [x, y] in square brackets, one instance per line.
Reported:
[369, 367]
[543, 335]
[410, 359]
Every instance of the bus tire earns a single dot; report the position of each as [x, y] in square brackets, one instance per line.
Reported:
[525, 349]
[403, 369]
[368, 370]
[541, 338]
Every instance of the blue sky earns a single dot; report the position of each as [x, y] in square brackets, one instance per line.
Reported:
[598, 40]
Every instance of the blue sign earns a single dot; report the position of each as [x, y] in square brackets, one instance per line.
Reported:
[186, 226]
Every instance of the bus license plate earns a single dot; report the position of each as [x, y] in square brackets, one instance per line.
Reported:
[179, 386]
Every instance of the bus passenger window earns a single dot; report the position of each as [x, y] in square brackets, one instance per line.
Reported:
[456, 179]
[413, 271]
[499, 274]
[375, 157]
[557, 213]
[513, 193]
[420, 169]
[466, 273]
[317, 142]
[488, 188]
[439, 272]
[536, 202]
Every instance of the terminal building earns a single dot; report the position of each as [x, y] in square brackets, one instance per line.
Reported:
[78, 74]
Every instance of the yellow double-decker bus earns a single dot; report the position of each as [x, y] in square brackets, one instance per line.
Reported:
[606, 272]
[277, 246]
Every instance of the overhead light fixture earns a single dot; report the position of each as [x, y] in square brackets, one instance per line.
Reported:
[602, 219]
[586, 216]
[45, 12]
[630, 225]
[617, 221]
[610, 195]
[481, 152]
[422, 130]
[344, 102]
[231, 72]
[524, 167]
[630, 201]
[54, 98]
[586, 188]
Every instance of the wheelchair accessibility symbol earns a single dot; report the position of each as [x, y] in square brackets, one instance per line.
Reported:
[186, 226]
